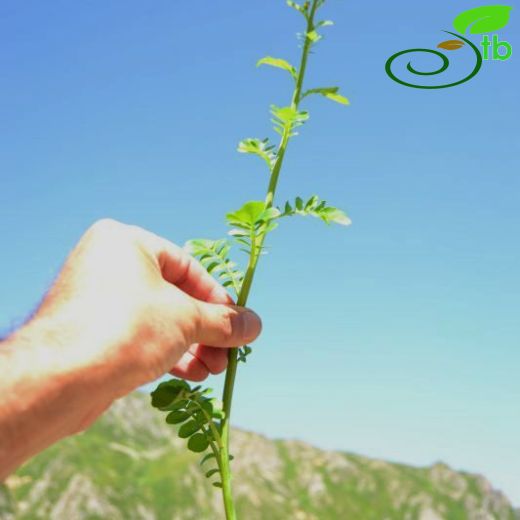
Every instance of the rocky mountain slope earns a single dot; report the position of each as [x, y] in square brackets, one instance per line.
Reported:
[130, 466]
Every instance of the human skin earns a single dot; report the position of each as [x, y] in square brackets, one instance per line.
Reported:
[127, 307]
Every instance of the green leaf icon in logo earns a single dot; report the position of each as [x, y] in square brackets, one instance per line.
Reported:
[487, 18]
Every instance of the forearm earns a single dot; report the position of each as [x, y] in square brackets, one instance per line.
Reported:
[42, 394]
[127, 307]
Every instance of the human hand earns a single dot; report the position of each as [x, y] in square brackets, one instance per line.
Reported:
[141, 306]
[127, 307]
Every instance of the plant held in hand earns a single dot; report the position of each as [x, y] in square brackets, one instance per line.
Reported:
[203, 420]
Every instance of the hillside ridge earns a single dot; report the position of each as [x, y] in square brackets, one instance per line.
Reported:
[131, 465]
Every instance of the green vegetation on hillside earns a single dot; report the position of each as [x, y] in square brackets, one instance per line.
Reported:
[130, 464]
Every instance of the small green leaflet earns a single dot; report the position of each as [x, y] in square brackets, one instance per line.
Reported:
[188, 429]
[328, 92]
[177, 416]
[206, 457]
[199, 443]
[279, 63]
[324, 23]
[484, 19]
[338, 98]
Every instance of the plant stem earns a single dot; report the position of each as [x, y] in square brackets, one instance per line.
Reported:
[250, 273]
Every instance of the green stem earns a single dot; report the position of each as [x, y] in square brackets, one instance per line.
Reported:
[249, 276]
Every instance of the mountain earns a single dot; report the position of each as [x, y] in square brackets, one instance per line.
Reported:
[131, 465]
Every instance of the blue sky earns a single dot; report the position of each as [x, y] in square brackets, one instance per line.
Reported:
[397, 337]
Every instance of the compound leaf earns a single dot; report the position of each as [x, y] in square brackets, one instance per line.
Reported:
[251, 221]
[212, 254]
[198, 413]
[259, 147]
[315, 207]
[287, 118]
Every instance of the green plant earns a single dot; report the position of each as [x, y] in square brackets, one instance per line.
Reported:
[205, 421]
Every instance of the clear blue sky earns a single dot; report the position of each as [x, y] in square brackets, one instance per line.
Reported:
[395, 338]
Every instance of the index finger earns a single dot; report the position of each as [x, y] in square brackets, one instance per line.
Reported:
[181, 269]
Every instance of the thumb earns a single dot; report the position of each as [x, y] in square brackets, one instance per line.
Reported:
[225, 325]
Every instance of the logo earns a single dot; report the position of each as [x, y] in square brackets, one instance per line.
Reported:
[481, 20]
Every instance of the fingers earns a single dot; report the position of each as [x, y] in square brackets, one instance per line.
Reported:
[198, 362]
[224, 325]
[190, 367]
[207, 316]
[215, 359]
[181, 269]
[216, 324]
[176, 266]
